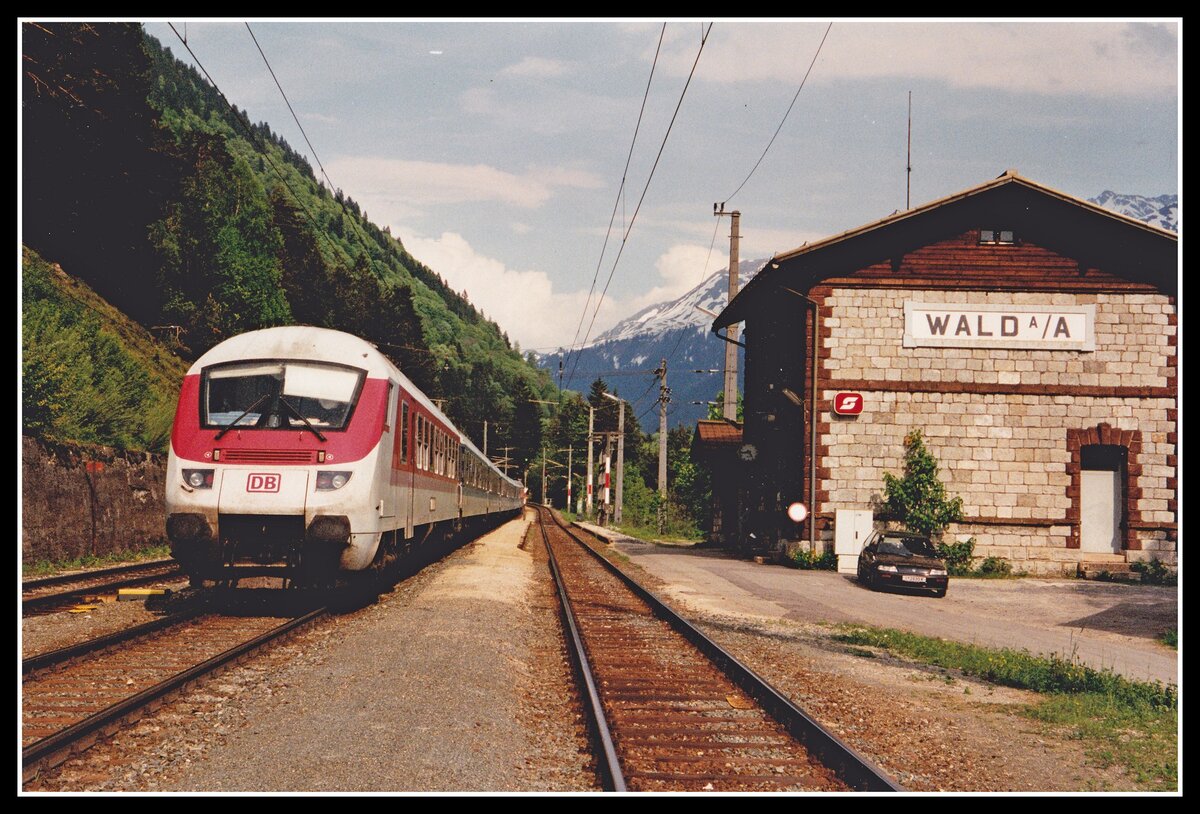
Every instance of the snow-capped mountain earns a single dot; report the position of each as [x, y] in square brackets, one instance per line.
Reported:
[626, 354]
[1162, 211]
[684, 312]
[680, 332]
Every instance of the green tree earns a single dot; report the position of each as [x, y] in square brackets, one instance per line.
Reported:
[918, 498]
[717, 411]
[527, 427]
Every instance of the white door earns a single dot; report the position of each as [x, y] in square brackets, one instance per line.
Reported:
[1100, 511]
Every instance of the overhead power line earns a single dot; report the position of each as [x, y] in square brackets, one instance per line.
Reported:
[785, 115]
[620, 189]
[289, 107]
[254, 139]
[645, 189]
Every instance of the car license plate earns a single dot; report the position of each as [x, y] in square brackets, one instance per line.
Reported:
[910, 578]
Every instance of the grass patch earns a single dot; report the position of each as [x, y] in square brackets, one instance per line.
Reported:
[651, 533]
[1013, 668]
[1170, 638]
[1131, 724]
[1142, 739]
[45, 568]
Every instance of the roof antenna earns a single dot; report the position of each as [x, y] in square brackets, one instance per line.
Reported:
[908, 176]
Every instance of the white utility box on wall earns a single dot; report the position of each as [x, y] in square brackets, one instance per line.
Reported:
[851, 528]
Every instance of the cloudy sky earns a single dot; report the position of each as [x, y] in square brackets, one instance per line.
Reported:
[495, 150]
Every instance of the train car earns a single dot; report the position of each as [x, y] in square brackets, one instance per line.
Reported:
[305, 453]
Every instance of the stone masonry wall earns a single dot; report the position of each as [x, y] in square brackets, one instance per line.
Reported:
[1135, 342]
[1007, 454]
[88, 500]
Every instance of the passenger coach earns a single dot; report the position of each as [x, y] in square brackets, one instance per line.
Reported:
[304, 452]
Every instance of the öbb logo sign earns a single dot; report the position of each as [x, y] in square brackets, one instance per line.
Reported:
[848, 403]
[262, 482]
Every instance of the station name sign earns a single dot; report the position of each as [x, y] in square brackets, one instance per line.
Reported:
[975, 325]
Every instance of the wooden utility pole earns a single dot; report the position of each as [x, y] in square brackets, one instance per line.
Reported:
[590, 468]
[731, 333]
[620, 462]
[570, 452]
[664, 397]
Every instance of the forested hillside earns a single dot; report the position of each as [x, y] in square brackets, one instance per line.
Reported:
[89, 373]
[140, 179]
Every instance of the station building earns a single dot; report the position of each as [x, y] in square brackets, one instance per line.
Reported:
[1032, 338]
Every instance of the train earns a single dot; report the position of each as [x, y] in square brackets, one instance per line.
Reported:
[305, 453]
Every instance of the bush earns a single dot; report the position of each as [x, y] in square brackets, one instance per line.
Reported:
[958, 556]
[995, 567]
[1155, 573]
[811, 560]
[918, 497]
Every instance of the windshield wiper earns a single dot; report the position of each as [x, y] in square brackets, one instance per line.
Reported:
[249, 410]
[296, 413]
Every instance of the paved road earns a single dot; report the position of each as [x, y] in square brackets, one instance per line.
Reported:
[1106, 625]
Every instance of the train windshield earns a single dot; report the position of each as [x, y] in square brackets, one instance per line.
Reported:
[279, 395]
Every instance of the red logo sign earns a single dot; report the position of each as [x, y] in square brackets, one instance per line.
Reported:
[848, 403]
[262, 482]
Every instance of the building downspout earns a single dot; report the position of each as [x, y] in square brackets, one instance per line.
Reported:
[812, 425]
[726, 338]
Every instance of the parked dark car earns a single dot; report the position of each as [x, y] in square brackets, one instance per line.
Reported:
[895, 559]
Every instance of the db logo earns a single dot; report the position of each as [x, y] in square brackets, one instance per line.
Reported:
[262, 482]
[848, 403]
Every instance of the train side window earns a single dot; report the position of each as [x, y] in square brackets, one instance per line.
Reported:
[432, 443]
[420, 442]
[404, 433]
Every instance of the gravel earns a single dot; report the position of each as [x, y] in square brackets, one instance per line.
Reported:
[454, 681]
[457, 681]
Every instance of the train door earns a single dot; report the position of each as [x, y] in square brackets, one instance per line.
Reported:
[387, 463]
[408, 468]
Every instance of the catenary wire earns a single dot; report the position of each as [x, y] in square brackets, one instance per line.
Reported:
[645, 189]
[286, 101]
[620, 191]
[785, 115]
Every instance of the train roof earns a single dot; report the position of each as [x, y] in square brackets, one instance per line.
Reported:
[323, 345]
[299, 342]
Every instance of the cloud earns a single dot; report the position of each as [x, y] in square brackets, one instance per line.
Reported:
[523, 303]
[680, 269]
[1100, 58]
[390, 185]
[537, 67]
[322, 118]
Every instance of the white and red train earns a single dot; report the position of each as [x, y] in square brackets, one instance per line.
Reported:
[304, 452]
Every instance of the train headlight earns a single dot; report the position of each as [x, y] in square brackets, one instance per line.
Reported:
[198, 478]
[328, 481]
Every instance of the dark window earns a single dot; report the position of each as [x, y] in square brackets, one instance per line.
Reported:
[404, 433]
[997, 236]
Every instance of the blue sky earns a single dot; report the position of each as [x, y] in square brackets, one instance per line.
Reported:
[494, 149]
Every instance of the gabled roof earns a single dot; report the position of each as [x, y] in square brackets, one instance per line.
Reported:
[1124, 245]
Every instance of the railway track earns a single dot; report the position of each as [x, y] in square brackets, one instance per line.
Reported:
[50, 594]
[670, 709]
[73, 697]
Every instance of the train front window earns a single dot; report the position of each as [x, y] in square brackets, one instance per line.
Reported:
[279, 395]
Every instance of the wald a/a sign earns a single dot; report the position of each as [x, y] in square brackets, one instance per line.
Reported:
[974, 325]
